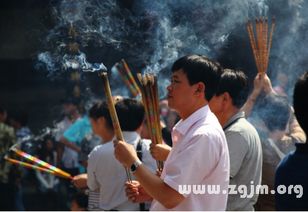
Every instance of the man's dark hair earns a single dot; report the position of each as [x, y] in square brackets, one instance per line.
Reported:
[130, 113]
[275, 112]
[199, 68]
[300, 102]
[100, 109]
[235, 83]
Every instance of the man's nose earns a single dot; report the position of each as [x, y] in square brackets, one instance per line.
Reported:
[169, 87]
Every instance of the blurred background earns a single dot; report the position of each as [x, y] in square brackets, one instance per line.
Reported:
[50, 51]
[150, 35]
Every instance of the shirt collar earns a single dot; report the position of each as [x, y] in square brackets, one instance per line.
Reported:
[240, 114]
[184, 125]
[130, 136]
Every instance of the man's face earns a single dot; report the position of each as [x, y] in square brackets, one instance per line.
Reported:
[100, 128]
[180, 93]
[95, 126]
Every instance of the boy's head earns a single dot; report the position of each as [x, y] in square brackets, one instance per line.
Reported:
[130, 113]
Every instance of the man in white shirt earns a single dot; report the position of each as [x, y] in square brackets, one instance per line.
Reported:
[199, 155]
[104, 172]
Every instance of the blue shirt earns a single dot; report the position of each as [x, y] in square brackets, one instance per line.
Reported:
[293, 170]
[78, 130]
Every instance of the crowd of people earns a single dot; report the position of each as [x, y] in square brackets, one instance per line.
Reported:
[215, 133]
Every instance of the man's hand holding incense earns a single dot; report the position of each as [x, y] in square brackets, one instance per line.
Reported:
[80, 181]
[136, 193]
[257, 85]
[125, 153]
[267, 85]
[160, 152]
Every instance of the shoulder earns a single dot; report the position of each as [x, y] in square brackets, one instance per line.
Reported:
[209, 132]
[243, 131]
[6, 129]
[101, 149]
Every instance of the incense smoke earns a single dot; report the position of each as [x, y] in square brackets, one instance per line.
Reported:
[150, 35]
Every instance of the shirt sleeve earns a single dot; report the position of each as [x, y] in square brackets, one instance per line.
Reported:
[238, 148]
[193, 163]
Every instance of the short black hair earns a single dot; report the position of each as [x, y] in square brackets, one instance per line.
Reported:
[300, 102]
[199, 68]
[234, 82]
[100, 109]
[275, 112]
[130, 113]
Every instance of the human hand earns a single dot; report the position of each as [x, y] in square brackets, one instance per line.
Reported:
[267, 85]
[80, 181]
[159, 152]
[158, 172]
[136, 193]
[257, 85]
[125, 153]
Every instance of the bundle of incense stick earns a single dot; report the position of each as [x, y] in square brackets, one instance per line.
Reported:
[42, 165]
[127, 77]
[150, 100]
[32, 166]
[113, 114]
[261, 42]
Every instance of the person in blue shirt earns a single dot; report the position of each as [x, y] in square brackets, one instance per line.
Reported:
[72, 138]
[291, 179]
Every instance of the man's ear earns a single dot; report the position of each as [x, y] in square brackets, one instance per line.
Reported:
[226, 97]
[200, 87]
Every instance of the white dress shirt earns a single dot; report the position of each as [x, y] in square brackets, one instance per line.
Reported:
[199, 157]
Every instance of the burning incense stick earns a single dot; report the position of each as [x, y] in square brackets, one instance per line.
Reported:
[150, 100]
[42, 163]
[130, 76]
[270, 39]
[261, 43]
[32, 166]
[113, 114]
[127, 81]
[127, 77]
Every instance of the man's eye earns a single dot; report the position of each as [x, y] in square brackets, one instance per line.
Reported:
[175, 81]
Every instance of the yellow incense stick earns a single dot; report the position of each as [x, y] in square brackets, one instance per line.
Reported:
[113, 114]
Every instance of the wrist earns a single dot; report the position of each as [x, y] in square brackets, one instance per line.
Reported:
[255, 93]
[135, 165]
[252, 98]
